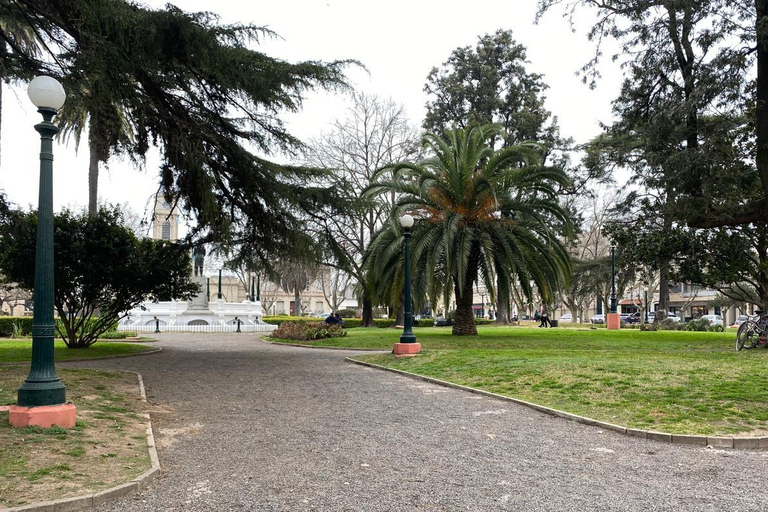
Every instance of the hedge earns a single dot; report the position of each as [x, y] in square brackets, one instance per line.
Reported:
[7, 324]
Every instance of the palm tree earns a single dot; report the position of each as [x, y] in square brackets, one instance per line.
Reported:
[482, 214]
[18, 41]
[92, 105]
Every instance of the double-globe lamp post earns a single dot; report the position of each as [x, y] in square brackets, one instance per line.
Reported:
[407, 345]
[42, 397]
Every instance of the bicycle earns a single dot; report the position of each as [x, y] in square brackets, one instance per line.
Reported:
[753, 333]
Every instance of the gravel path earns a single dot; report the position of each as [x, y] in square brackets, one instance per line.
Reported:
[243, 425]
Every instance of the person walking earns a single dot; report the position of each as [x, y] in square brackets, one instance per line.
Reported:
[544, 316]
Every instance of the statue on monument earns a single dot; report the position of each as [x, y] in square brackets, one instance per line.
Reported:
[198, 256]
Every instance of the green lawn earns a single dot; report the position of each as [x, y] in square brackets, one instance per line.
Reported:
[12, 351]
[671, 381]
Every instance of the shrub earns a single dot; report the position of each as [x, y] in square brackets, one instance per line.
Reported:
[347, 313]
[647, 327]
[353, 322]
[10, 325]
[281, 319]
[700, 324]
[670, 325]
[384, 322]
[304, 331]
[483, 321]
[716, 328]
[117, 335]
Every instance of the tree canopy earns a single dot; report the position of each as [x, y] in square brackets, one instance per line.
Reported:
[200, 93]
[101, 269]
[482, 214]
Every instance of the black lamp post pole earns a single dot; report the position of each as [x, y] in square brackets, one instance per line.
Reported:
[258, 287]
[408, 336]
[613, 279]
[253, 285]
[42, 386]
[646, 305]
[219, 295]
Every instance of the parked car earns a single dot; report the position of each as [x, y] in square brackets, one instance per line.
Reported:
[633, 318]
[713, 319]
[566, 318]
[740, 320]
[598, 319]
[670, 316]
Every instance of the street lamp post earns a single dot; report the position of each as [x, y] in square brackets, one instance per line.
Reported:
[407, 345]
[253, 289]
[645, 289]
[613, 318]
[219, 294]
[42, 397]
[613, 278]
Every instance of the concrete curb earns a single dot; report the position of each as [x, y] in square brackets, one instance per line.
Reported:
[281, 344]
[96, 499]
[735, 443]
[82, 359]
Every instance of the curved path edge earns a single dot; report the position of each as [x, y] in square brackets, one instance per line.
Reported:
[96, 499]
[83, 359]
[738, 443]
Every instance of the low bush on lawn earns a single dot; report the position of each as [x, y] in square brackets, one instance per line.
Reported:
[305, 331]
[15, 326]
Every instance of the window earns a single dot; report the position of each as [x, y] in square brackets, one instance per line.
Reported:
[319, 306]
[166, 235]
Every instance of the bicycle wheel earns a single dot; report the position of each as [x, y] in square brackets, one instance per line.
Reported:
[748, 335]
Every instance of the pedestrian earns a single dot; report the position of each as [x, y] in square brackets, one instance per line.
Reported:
[544, 316]
[339, 320]
[332, 319]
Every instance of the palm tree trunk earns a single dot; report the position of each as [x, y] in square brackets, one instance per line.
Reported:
[297, 299]
[93, 181]
[464, 320]
[367, 313]
[502, 306]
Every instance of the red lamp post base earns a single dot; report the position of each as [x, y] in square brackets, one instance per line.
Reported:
[44, 416]
[613, 321]
[406, 349]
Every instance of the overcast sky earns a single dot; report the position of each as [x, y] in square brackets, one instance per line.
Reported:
[398, 41]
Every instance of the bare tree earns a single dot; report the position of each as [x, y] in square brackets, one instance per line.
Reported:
[335, 285]
[374, 133]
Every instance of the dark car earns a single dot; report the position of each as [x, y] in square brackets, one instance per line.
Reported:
[634, 318]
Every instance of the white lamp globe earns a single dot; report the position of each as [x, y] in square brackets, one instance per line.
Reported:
[406, 221]
[46, 92]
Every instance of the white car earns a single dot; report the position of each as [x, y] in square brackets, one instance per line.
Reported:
[713, 319]
[740, 320]
[598, 319]
[565, 318]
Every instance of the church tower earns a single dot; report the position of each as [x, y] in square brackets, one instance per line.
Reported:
[165, 223]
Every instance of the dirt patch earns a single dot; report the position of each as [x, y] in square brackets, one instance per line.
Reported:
[106, 448]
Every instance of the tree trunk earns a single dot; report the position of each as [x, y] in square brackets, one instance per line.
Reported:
[367, 313]
[761, 145]
[661, 313]
[502, 306]
[297, 300]
[93, 181]
[464, 320]
[400, 315]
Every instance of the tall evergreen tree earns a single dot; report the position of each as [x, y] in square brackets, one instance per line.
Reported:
[198, 91]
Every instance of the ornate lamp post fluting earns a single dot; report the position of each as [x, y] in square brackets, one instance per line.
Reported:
[407, 345]
[43, 395]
